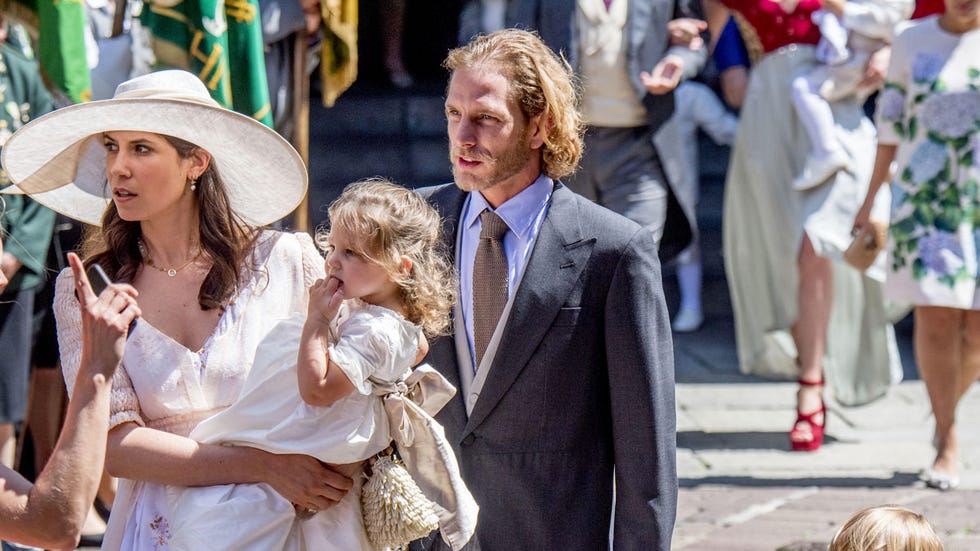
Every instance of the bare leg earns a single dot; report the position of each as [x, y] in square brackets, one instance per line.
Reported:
[939, 351]
[971, 353]
[8, 444]
[810, 330]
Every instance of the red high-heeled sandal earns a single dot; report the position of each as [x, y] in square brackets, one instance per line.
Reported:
[815, 429]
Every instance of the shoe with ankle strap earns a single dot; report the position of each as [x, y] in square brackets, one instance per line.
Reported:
[816, 430]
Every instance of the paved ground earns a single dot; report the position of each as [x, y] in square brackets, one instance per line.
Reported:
[741, 489]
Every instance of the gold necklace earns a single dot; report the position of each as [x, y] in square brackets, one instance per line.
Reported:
[172, 272]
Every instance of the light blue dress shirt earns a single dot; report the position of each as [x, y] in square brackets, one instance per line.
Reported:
[523, 214]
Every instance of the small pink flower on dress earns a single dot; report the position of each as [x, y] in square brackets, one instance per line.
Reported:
[161, 532]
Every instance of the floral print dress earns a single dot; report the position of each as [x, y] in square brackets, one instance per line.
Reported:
[930, 109]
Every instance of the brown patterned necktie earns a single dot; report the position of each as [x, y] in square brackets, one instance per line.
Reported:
[489, 281]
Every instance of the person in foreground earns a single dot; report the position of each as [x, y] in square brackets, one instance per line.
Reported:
[886, 528]
[929, 124]
[561, 341]
[181, 187]
[51, 512]
[387, 286]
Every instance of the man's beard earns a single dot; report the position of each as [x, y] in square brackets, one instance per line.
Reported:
[508, 163]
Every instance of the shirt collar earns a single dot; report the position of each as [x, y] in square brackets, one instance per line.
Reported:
[519, 212]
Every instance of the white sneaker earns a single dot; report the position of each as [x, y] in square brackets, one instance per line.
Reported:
[818, 169]
[687, 320]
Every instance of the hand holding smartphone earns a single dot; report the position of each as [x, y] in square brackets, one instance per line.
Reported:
[98, 279]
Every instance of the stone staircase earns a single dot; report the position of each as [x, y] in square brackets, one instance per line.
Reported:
[401, 135]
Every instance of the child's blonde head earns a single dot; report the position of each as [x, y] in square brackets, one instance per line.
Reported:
[385, 222]
[886, 528]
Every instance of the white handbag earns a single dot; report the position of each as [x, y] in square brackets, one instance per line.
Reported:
[395, 510]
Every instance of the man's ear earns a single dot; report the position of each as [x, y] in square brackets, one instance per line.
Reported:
[537, 129]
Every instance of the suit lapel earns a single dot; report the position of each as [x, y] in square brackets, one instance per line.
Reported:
[448, 201]
[559, 256]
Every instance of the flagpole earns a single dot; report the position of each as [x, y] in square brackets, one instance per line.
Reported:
[301, 121]
[118, 18]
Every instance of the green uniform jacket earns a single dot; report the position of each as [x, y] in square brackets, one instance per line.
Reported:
[26, 226]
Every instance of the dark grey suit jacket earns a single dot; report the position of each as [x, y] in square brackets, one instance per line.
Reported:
[582, 382]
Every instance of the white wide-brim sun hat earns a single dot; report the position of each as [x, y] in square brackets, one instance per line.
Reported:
[59, 158]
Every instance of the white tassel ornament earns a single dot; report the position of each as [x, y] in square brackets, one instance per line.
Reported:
[395, 510]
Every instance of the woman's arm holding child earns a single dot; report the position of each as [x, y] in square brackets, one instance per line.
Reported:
[321, 382]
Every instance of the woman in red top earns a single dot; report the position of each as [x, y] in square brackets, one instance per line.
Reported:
[797, 313]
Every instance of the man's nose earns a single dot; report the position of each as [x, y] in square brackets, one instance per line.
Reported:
[464, 134]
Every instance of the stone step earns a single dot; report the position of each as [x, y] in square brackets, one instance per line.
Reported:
[401, 136]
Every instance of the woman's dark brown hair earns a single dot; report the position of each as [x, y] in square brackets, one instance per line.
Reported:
[224, 237]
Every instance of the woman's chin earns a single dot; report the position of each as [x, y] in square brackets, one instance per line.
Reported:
[126, 214]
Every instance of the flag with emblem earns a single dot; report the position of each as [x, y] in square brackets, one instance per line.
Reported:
[59, 26]
[338, 56]
[221, 42]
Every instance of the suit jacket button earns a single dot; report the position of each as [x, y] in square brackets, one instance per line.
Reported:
[470, 438]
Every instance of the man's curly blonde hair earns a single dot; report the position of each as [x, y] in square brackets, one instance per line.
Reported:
[542, 83]
[384, 222]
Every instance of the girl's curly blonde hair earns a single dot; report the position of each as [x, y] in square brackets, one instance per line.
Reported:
[886, 528]
[386, 221]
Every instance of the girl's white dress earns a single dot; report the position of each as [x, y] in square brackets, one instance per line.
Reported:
[375, 347]
[930, 109]
[163, 385]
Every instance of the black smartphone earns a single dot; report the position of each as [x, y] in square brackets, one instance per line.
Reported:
[97, 278]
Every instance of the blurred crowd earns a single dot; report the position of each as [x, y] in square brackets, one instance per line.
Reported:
[854, 125]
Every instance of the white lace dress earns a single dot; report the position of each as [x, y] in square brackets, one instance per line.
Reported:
[165, 386]
[372, 345]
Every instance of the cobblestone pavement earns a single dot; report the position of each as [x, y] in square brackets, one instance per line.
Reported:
[742, 490]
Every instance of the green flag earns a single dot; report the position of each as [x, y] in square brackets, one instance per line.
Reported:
[220, 41]
[59, 26]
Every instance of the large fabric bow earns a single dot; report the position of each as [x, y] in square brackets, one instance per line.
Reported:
[421, 441]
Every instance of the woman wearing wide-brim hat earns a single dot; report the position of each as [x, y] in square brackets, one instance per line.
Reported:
[180, 189]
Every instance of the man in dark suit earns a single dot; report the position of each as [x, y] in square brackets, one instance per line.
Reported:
[570, 392]
[630, 55]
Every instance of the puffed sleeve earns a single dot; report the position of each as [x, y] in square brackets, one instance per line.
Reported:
[124, 405]
[893, 102]
[368, 347]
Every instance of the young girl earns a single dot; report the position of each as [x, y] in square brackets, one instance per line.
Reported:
[886, 528]
[929, 123]
[386, 286]
[847, 42]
